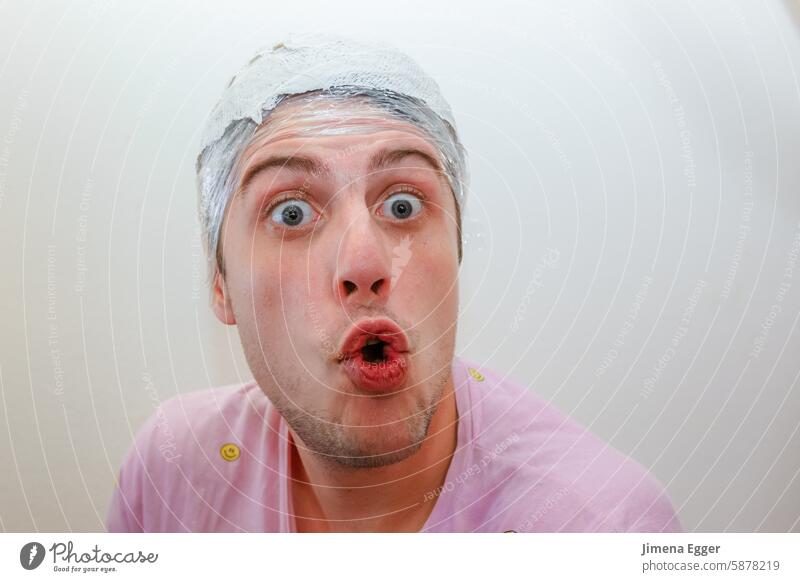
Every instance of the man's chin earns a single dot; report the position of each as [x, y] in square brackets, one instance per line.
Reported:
[365, 447]
[368, 432]
[372, 454]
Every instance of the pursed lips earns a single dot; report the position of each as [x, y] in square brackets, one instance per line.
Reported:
[371, 332]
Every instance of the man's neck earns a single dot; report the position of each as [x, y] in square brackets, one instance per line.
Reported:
[396, 497]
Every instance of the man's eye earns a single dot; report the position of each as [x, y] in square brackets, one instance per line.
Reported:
[292, 213]
[401, 206]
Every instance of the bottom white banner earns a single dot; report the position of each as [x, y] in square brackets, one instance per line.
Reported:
[377, 557]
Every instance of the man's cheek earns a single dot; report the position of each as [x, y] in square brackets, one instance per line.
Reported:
[433, 274]
[292, 285]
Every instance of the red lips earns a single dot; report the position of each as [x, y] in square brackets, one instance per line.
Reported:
[381, 328]
[380, 369]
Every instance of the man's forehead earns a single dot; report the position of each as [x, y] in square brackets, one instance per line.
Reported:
[304, 121]
[359, 146]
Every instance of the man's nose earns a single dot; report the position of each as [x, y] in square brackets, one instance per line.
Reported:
[364, 264]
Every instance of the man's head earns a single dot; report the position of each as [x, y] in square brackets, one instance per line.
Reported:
[335, 245]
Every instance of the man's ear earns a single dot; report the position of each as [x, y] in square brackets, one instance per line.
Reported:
[221, 300]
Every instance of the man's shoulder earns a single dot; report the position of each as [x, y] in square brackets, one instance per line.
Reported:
[559, 466]
[181, 424]
[500, 403]
[178, 460]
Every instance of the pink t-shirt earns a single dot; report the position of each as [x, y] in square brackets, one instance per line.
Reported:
[520, 465]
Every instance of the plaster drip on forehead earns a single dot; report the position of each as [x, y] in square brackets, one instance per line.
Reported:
[308, 62]
[326, 114]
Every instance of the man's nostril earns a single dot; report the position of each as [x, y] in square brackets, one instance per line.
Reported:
[376, 286]
[349, 286]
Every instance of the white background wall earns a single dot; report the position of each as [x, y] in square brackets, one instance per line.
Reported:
[635, 172]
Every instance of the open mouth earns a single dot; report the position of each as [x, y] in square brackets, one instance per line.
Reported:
[374, 350]
[374, 340]
[375, 355]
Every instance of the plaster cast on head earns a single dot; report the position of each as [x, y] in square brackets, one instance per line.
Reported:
[316, 69]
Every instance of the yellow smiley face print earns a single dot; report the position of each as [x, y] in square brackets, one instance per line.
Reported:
[229, 452]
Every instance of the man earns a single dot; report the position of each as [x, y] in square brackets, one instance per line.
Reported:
[331, 183]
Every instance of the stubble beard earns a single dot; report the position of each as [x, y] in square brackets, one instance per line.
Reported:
[362, 447]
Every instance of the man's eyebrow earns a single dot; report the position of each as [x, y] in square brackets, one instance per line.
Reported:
[388, 157]
[293, 163]
[380, 160]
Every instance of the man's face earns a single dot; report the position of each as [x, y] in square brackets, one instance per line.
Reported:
[317, 239]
